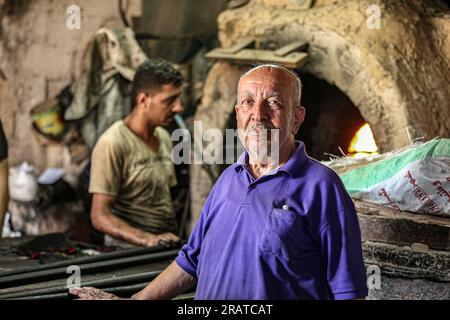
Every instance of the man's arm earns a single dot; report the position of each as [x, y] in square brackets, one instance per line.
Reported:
[169, 284]
[105, 221]
[341, 244]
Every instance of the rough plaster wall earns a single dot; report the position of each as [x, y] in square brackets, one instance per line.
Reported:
[214, 112]
[396, 76]
[441, 36]
[39, 55]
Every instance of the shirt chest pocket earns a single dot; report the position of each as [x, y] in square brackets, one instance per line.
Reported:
[285, 236]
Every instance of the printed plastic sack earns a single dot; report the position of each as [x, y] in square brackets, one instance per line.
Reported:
[23, 185]
[416, 179]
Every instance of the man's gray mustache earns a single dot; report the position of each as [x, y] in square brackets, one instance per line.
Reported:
[258, 127]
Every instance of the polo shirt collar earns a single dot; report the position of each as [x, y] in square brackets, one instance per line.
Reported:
[294, 163]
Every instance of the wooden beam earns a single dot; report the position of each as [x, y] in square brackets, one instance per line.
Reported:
[291, 47]
[387, 225]
[237, 47]
[249, 56]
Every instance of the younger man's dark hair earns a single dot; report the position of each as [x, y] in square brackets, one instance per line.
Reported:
[152, 75]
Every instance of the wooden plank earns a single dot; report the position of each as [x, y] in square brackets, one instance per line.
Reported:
[249, 56]
[370, 208]
[387, 225]
[403, 232]
[237, 47]
[293, 46]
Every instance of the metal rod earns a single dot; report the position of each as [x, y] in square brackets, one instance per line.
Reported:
[98, 283]
[32, 277]
[55, 296]
[83, 260]
[119, 291]
[126, 289]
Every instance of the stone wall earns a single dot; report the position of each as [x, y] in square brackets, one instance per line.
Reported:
[39, 56]
[219, 98]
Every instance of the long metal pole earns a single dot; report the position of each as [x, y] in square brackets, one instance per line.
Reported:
[98, 283]
[122, 291]
[83, 260]
[46, 275]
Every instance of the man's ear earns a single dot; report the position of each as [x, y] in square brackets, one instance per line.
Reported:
[299, 117]
[142, 98]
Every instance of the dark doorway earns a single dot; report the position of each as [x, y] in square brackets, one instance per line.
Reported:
[331, 118]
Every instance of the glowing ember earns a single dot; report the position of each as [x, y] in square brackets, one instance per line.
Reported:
[363, 144]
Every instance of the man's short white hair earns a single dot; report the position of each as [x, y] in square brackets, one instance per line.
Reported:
[276, 66]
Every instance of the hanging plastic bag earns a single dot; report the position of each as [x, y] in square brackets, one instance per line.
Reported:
[23, 185]
[48, 120]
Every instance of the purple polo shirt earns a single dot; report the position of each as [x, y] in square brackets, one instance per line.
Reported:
[292, 234]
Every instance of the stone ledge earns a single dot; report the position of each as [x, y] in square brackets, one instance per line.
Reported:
[406, 262]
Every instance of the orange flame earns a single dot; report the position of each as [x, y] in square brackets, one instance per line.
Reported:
[363, 144]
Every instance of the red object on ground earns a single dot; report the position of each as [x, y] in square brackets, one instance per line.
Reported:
[71, 250]
[36, 255]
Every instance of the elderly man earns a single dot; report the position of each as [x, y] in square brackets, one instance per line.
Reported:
[281, 228]
[131, 167]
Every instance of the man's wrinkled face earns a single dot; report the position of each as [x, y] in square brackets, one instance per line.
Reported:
[266, 111]
[162, 105]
